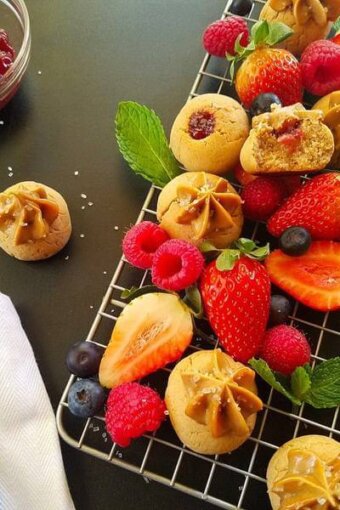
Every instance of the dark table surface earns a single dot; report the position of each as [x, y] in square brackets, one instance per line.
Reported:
[91, 55]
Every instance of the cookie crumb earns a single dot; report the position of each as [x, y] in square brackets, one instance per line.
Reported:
[76, 172]
[116, 227]
[90, 204]
[82, 235]
[83, 207]
[104, 272]
[83, 195]
[40, 72]
[2, 122]
[67, 257]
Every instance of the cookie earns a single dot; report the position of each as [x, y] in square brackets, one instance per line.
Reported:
[212, 402]
[310, 20]
[287, 140]
[34, 221]
[197, 207]
[330, 107]
[208, 134]
[305, 473]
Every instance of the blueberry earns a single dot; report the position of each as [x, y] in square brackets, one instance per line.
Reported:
[83, 359]
[280, 309]
[86, 398]
[262, 103]
[241, 7]
[295, 241]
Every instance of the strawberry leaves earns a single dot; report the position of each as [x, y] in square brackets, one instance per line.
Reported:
[336, 26]
[318, 387]
[262, 34]
[242, 247]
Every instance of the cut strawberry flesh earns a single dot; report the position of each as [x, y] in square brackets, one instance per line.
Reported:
[201, 125]
[313, 278]
[152, 331]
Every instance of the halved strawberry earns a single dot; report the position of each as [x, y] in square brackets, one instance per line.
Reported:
[152, 330]
[313, 278]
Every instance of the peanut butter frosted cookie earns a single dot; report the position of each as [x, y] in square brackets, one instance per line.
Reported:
[330, 106]
[310, 20]
[34, 221]
[208, 134]
[212, 402]
[198, 206]
[305, 473]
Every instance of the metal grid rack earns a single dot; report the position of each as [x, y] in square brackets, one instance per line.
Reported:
[232, 481]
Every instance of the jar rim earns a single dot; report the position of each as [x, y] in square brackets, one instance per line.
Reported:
[19, 66]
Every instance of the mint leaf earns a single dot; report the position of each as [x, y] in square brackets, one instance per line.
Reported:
[207, 247]
[143, 144]
[263, 370]
[325, 388]
[134, 292]
[226, 260]
[193, 300]
[300, 382]
[260, 32]
[278, 32]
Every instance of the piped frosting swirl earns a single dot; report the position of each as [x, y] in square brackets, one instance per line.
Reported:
[309, 483]
[222, 397]
[30, 211]
[303, 10]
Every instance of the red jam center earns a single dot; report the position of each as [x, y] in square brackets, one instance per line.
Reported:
[7, 53]
[290, 133]
[201, 125]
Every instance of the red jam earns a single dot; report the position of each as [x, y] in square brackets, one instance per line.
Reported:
[7, 53]
[290, 133]
[201, 125]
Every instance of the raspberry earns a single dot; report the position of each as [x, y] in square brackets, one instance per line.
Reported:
[141, 242]
[176, 265]
[131, 410]
[320, 66]
[262, 197]
[284, 348]
[219, 37]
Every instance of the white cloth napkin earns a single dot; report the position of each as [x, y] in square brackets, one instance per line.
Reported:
[32, 475]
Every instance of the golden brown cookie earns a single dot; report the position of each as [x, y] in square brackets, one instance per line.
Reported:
[212, 402]
[34, 221]
[287, 140]
[197, 206]
[330, 106]
[305, 473]
[208, 134]
[310, 20]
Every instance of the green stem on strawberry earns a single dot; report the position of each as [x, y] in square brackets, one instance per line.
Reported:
[336, 27]
[262, 34]
[229, 256]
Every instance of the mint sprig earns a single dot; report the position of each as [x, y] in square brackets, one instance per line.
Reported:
[229, 256]
[143, 144]
[318, 387]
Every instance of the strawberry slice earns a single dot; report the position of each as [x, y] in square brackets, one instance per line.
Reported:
[152, 330]
[313, 278]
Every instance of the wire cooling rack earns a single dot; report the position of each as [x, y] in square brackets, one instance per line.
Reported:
[231, 481]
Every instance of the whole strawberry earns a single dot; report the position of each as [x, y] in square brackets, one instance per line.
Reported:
[237, 302]
[262, 197]
[320, 67]
[267, 69]
[314, 206]
[219, 37]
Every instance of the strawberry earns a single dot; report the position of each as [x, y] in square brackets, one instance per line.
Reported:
[267, 69]
[241, 176]
[236, 302]
[313, 278]
[153, 330]
[314, 206]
